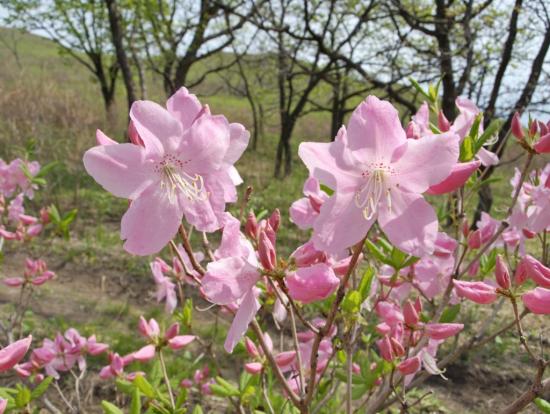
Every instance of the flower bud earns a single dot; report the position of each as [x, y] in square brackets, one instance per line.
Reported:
[251, 226]
[410, 314]
[442, 122]
[172, 331]
[517, 130]
[474, 239]
[533, 128]
[465, 228]
[275, 220]
[409, 366]
[266, 251]
[397, 348]
[502, 274]
[284, 359]
[251, 348]
[385, 348]
[253, 368]
[537, 301]
[478, 292]
[181, 341]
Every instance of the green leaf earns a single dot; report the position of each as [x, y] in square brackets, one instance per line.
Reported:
[419, 88]
[467, 149]
[450, 314]
[352, 302]
[197, 410]
[182, 397]
[220, 391]
[109, 408]
[376, 252]
[23, 397]
[365, 283]
[41, 388]
[144, 386]
[124, 386]
[135, 405]
[230, 388]
[542, 405]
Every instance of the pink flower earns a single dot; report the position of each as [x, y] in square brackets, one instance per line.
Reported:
[166, 289]
[442, 330]
[185, 168]
[502, 273]
[537, 300]
[304, 211]
[310, 284]
[13, 353]
[144, 354]
[378, 174]
[253, 368]
[231, 279]
[180, 341]
[478, 292]
[409, 366]
[535, 270]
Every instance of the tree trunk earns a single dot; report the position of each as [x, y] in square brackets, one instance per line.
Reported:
[445, 60]
[117, 34]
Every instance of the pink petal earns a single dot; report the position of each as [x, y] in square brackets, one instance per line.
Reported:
[184, 106]
[409, 366]
[13, 353]
[310, 284]
[158, 129]
[205, 144]
[340, 225]
[478, 292]
[247, 310]
[537, 300]
[3, 405]
[180, 341]
[151, 222]
[145, 354]
[410, 223]
[458, 177]
[440, 331]
[375, 131]
[253, 368]
[103, 139]
[238, 141]
[487, 157]
[13, 281]
[121, 169]
[229, 279]
[426, 162]
[543, 144]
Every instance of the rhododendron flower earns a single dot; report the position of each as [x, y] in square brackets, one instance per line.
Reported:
[166, 289]
[536, 271]
[478, 292]
[304, 211]
[185, 168]
[378, 174]
[442, 330]
[231, 279]
[537, 300]
[12, 177]
[13, 353]
[310, 284]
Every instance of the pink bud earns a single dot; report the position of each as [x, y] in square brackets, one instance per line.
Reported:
[186, 383]
[44, 215]
[275, 220]
[502, 274]
[543, 144]
[390, 313]
[134, 136]
[397, 348]
[474, 239]
[537, 301]
[385, 348]
[409, 131]
[180, 341]
[34, 230]
[143, 327]
[172, 331]
[251, 348]
[307, 254]
[43, 278]
[314, 283]
[251, 226]
[442, 122]
[409, 366]
[410, 314]
[27, 220]
[533, 128]
[284, 359]
[145, 354]
[266, 252]
[517, 130]
[13, 353]
[465, 228]
[356, 369]
[3, 405]
[383, 328]
[253, 368]
[418, 305]
[442, 330]
[478, 292]
[456, 179]
[13, 281]
[536, 271]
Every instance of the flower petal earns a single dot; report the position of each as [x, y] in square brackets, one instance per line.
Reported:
[340, 224]
[456, 179]
[158, 129]
[537, 300]
[151, 221]
[426, 161]
[247, 310]
[184, 106]
[228, 280]
[238, 141]
[374, 130]
[120, 169]
[410, 223]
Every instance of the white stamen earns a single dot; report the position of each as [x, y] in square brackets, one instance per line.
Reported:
[175, 180]
[369, 196]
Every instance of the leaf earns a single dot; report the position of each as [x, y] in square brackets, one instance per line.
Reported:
[450, 314]
[144, 386]
[23, 397]
[124, 386]
[543, 405]
[109, 408]
[489, 132]
[230, 388]
[365, 284]
[467, 149]
[41, 388]
[419, 88]
[197, 410]
[135, 405]
[376, 252]
[352, 302]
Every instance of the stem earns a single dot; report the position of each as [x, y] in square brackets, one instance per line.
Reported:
[167, 379]
[189, 250]
[266, 395]
[297, 349]
[330, 320]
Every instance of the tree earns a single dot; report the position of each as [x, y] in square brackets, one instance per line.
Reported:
[81, 29]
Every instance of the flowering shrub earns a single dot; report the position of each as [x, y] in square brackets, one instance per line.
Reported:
[365, 310]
